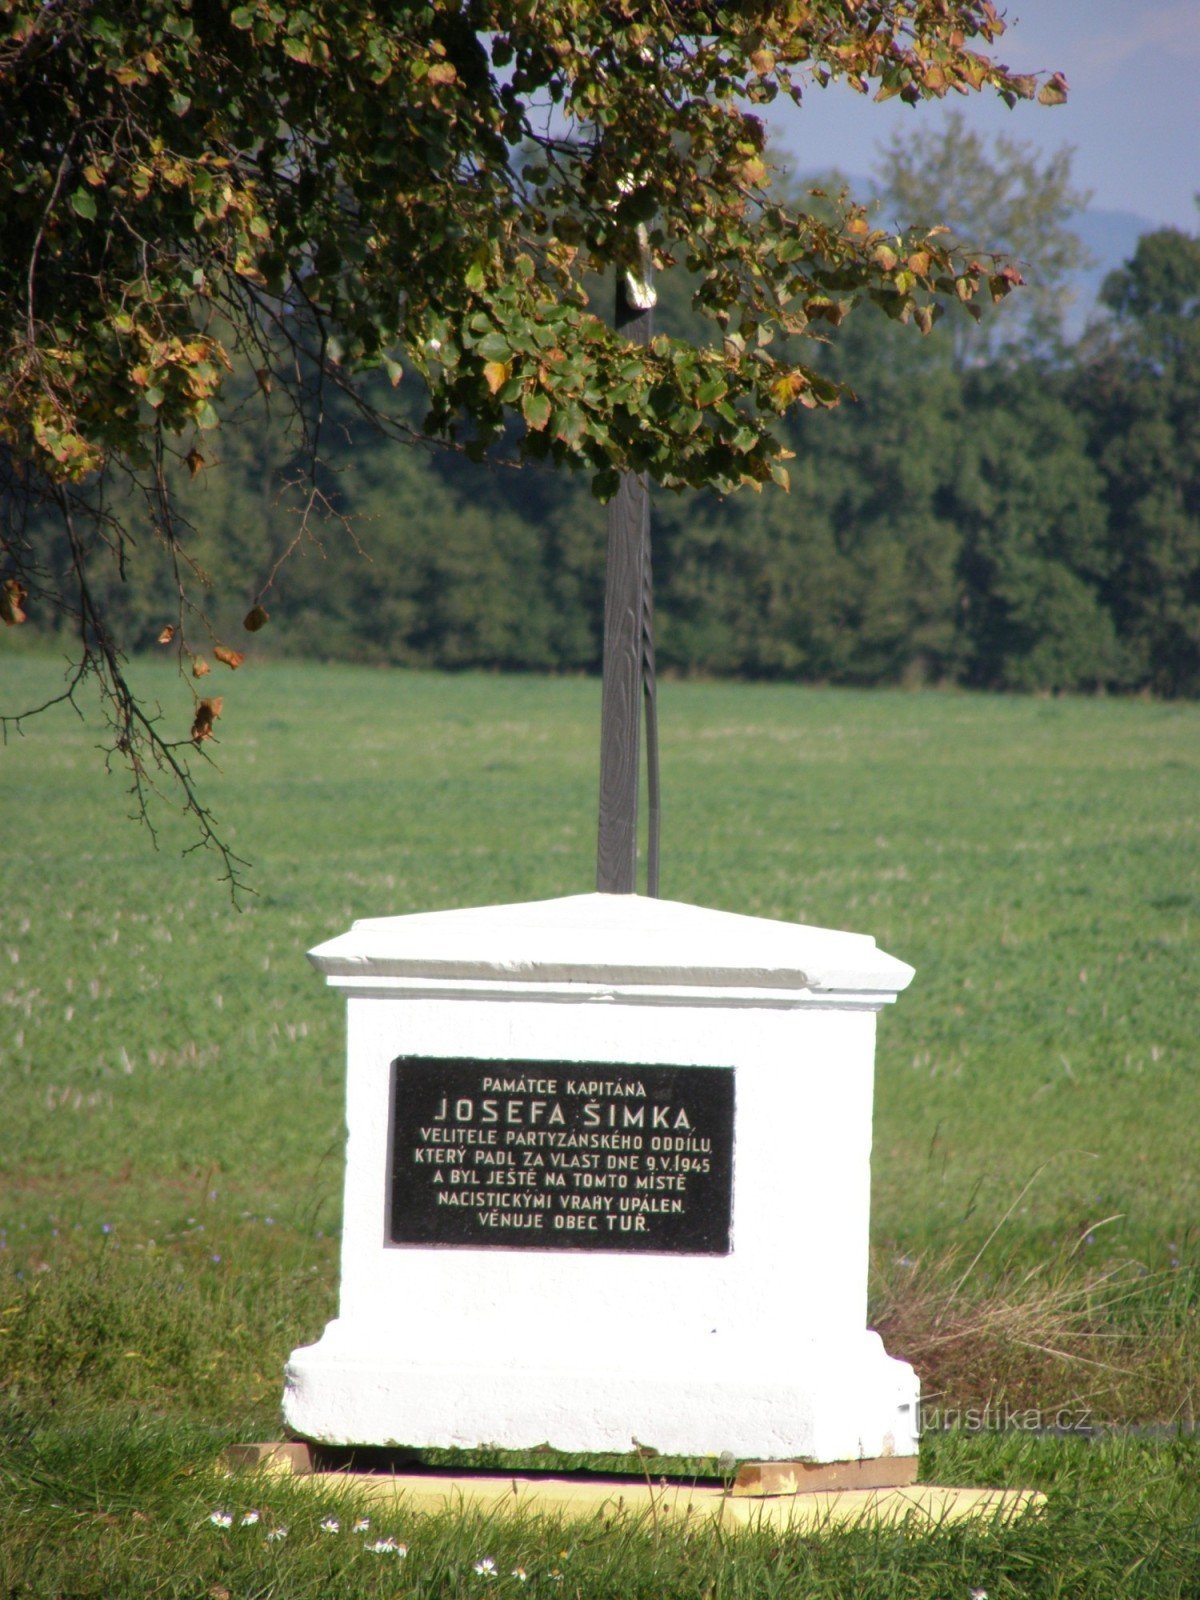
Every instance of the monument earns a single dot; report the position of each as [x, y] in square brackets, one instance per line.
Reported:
[608, 1157]
[607, 1183]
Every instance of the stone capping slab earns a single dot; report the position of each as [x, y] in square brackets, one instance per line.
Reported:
[611, 941]
[641, 994]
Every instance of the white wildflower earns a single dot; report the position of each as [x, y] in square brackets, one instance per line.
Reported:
[276, 1534]
[486, 1567]
[520, 1574]
[361, 1525]
[221, 1519]
[249, 1518]
[387, 1547]
[330, 1525]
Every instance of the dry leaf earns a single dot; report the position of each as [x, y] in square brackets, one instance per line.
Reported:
[255, 618]
[12, 599]
[200, 667]
[167, 634]
[194, 461]
[207, 712]
[232, 658]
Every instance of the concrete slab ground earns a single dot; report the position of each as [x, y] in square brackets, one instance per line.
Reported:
[431, 1492]
[580, 1499]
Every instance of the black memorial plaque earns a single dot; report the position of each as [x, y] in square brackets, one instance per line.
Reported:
[548, 1155]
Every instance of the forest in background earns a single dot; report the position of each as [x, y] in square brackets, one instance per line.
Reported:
[1018, 513]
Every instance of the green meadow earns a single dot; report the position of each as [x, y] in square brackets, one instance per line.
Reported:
[170, 1166]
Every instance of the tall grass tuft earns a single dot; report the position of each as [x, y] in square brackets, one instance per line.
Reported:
[1056, 1340]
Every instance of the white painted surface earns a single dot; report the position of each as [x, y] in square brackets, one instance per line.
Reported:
[613, 938]
[762, 1352]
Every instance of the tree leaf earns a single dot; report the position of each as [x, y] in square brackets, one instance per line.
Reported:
[231, 658]
[536, 408]
[207, 712]
[496, 374]
[13, 595]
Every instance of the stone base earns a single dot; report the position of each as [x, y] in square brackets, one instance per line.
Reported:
[439, 1493]
[838, 1405]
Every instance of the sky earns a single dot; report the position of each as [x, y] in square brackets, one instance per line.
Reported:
[1132, 116]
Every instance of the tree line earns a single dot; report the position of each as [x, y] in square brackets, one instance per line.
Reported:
[1006, 521]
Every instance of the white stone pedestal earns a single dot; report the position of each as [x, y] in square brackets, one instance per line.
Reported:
[538, 1309]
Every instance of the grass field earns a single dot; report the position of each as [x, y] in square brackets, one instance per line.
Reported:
[170, 1166]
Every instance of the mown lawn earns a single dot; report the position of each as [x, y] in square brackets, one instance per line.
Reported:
[170, 1166]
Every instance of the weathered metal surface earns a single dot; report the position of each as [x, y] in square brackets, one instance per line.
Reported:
[628, 660]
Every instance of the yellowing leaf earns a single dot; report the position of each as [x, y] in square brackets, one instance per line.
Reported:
[1053, 93]
[200, 667]
[167, 634]
[496, 374]
[194, 461]
[232, 658]
[442, 72]
[788, 388]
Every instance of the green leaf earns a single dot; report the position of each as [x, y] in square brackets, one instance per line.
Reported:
[569, 424]
[83, 203]
[535, 408]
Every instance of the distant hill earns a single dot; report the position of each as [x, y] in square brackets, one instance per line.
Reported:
[1110, 238]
